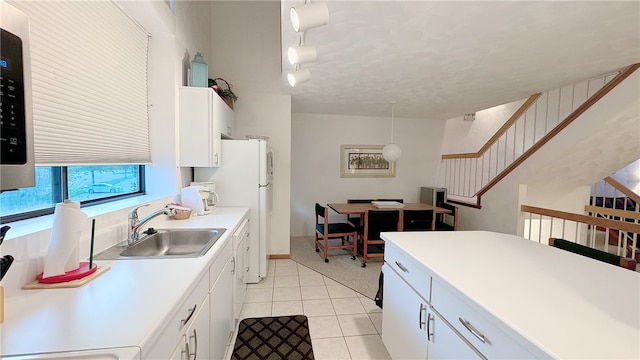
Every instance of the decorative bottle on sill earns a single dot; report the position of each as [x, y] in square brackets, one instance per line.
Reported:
[199, 71]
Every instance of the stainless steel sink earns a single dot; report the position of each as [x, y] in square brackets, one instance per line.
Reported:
[167, 243]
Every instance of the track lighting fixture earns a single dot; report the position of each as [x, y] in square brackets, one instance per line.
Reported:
[309, 15]
[301, 54]
[298, 77]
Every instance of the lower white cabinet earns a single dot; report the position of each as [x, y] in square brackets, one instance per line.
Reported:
[404, 318]
[411, 329]
[194, 344]
[203, 325]
[240, 256]
[182, 320]
[221, 318]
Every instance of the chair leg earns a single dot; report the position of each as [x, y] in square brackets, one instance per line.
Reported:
[326, 245]
[354, 240]
[365, 252]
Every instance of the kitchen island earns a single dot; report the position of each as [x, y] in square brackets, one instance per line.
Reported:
[502, 296]
[127, 307]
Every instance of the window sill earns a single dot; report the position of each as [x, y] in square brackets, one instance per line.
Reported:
[42, 223]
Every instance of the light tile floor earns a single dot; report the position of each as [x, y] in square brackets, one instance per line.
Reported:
[343, 324]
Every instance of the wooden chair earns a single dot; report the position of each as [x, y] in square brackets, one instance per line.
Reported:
[326, 231]
[354, 219]
[417, 220]
[376, 221]
[441, 224]
[627, 263]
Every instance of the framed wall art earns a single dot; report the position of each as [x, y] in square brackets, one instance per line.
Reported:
[364, 161]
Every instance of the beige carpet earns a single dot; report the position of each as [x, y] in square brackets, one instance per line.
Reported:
[340, 267]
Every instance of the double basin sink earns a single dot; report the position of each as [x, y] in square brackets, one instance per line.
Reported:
[166, 243]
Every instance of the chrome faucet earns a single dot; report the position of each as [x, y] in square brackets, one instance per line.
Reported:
[135, 223]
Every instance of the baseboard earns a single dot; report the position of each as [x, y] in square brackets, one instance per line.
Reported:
[279, 256]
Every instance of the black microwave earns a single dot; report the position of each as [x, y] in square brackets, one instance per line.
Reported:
[17, 166]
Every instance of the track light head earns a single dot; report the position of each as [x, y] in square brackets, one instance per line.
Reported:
[307, 16]
[301, 54]
[298, 77]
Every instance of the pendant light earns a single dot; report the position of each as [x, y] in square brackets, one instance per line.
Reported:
[391, 152]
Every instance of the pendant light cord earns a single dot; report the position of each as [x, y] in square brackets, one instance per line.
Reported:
[392, 118]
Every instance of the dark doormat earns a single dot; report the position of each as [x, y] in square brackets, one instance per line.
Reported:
[279, 337]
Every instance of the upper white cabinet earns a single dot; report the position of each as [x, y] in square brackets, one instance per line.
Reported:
[204, 120]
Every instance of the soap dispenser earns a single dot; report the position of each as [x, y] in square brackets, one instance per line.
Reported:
[199, 71]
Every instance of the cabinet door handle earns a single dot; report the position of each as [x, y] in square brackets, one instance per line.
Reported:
[402, 267]
[216, 161]
[429, 333]
[195, 343]
[186, 351]
[191, 312]
[420, 322]
[473, 330]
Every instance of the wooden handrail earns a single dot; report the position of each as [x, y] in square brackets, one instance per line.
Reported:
[624, 214]
[605, 223]
[551, 134]
[503, 129]
[623, 189]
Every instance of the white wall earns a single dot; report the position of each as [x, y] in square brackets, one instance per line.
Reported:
[477, 132]
[315, 161]
[245, 46]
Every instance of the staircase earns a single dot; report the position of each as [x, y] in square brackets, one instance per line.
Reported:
[467, 176]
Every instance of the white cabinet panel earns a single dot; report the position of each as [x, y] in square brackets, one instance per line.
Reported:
[445, 343]
[221, 318]
[204, 118]
[240, 240]
[412, 272]
[475, 325]
[404, 319]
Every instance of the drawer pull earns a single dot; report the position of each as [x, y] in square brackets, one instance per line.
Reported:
[402, 267]
[473, 330]
[195, 343]
[191, 312]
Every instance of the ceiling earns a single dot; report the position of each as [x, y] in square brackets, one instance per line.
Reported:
[443, 59]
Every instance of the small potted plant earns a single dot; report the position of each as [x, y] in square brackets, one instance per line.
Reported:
[226, 94]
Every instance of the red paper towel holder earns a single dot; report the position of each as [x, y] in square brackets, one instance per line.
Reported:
[82, 271]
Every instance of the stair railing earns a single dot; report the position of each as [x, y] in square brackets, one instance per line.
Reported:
[612, 200]
[467, 176]
[539, 224]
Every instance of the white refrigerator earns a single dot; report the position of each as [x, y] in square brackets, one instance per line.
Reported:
[245, 179]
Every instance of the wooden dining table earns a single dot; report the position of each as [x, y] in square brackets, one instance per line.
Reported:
[361, 208]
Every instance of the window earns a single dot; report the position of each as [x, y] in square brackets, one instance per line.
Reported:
[89, 63]
[83, 184]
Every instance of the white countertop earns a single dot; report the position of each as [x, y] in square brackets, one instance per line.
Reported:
[570, 306]
[122, 307]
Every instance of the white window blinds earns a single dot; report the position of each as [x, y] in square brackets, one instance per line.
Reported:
[89, 71]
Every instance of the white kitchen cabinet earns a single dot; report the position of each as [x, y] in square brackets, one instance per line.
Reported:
[194, 344]
[221, 317]
[240, 256]
[411, 329]
[174, 331]
[404, 318]
[204, 120]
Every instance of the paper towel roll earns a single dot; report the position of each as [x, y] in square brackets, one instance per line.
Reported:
[62, 254]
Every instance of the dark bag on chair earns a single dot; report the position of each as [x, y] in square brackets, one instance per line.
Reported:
[379, 293]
